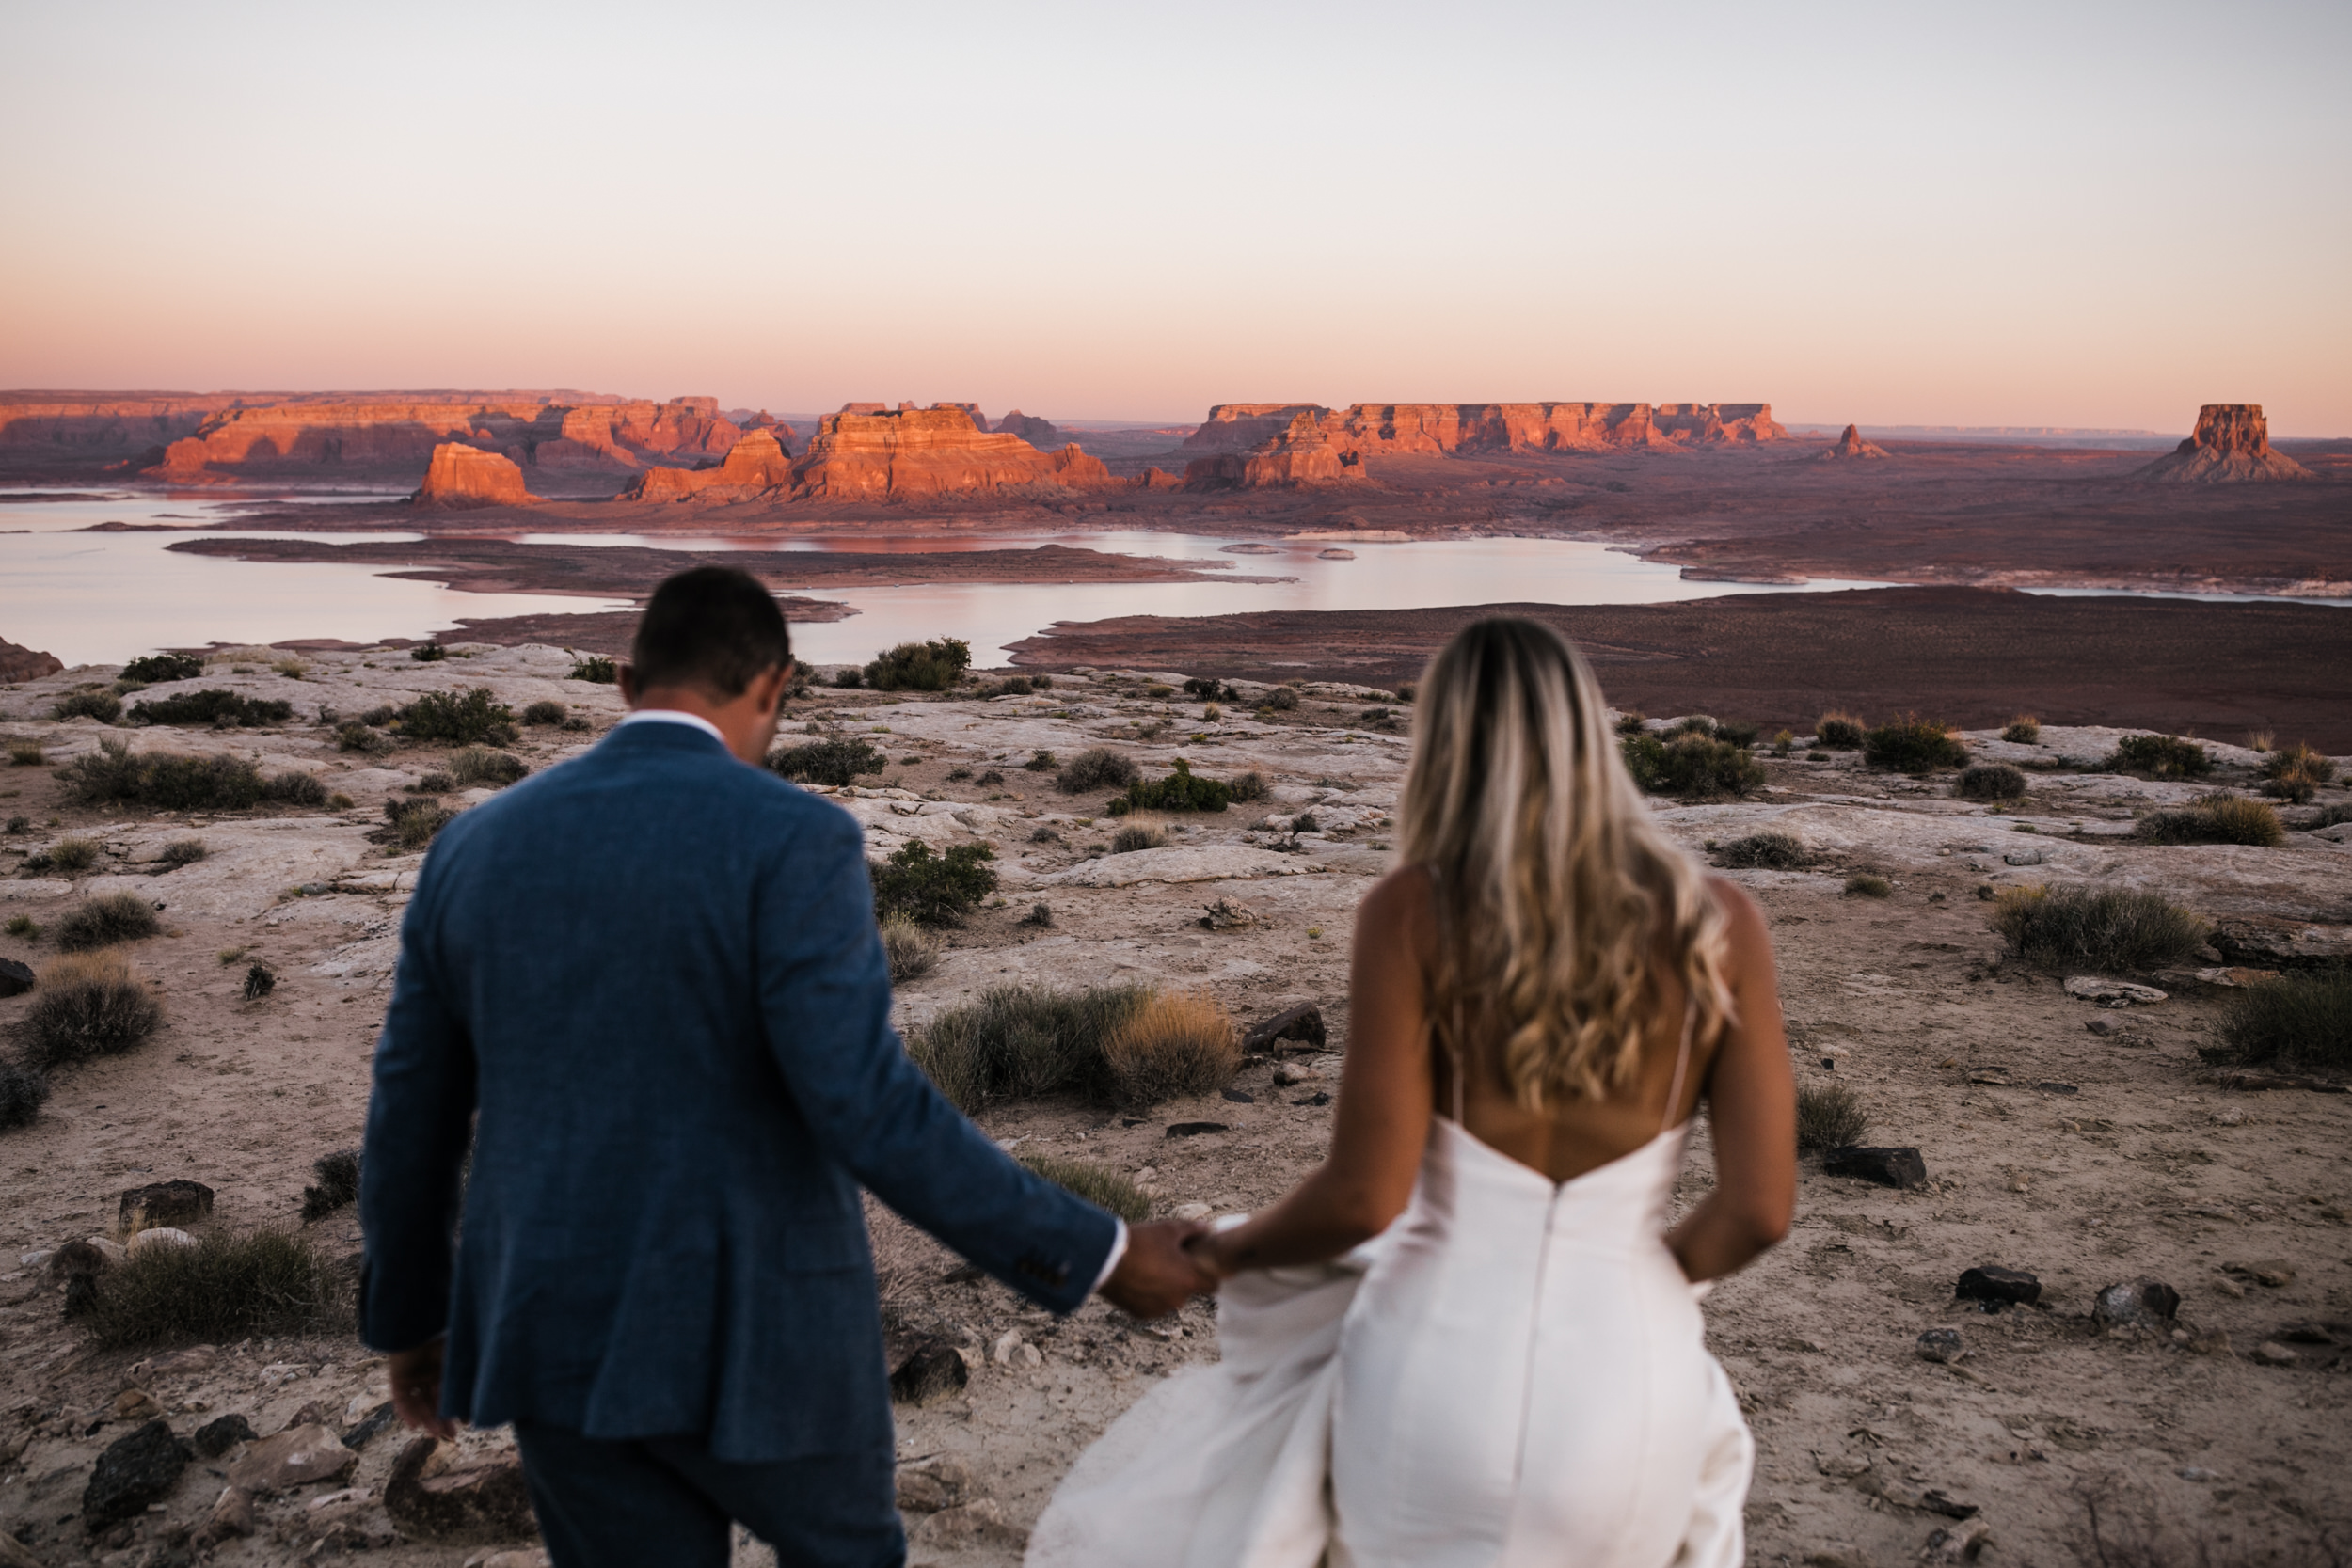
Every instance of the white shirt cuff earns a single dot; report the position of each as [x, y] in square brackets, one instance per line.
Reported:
[1119, 1250]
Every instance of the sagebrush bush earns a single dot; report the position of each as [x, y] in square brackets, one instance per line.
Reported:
[87, 1005]
[1869, 884]
[913, 951]
[462, 719]
[1098, 1184]
[355, 737]
[2101, 929]
[933, 890]
[1829, 1115]
[1692, 765]
[1839, 732]
[848, 679]
[1250, 786]
[546, 712]
[2216, 820]
[114, 775]
[90, 701]
[26, 753]
[73, 855]
[156, 667]
[2303, 1018]
[2160, 757]
[478, 766]
[932, 666]
[1770, 850]
[338, 1185]
[23, 926]
[411, 824]
[1210, 690]
[23, 1088]
[1914, 745]
[2298, 789]
[1097, 768]
[1132, 837]
[826, 762]
[291, 789]
[2327, 816]
[1177, 1043]
[1990, 781]
[180, 852]
[221, 710]
[1179, 791]
[118, 917]
[2301, 759]
[596, 668]
[1283, 698]
[222, 1289]
[2023, 730]
[1016, 1041]
[428, 652]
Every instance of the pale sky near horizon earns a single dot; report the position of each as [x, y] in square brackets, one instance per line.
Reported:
[2090, 215]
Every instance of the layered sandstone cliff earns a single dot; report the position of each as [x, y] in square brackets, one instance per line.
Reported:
[462, 476]
[1041, 433]
[1852, 447]
[1301, 456]
[2232, 446]
[867, 453]
[756, 463]
[24, 664]
[528, 428]
[127, 422]
[1442, 429]
[1242, 426]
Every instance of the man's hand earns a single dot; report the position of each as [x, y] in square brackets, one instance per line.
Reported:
[1156, 1274]
[417, 1388]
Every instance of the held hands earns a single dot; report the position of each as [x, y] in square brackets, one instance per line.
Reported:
[417, 1388]
[1159, 1271]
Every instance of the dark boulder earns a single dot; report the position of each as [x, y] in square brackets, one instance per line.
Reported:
[1998, 1287]
[433, 1495]
[1302, 1024]
[2144, 1303]
[931, 1368]
[1888, 1168]
[164, 1203]
[15, 979]
[218, 1436]
[133, 1471]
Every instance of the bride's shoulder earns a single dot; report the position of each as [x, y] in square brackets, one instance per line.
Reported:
[1406, 898]
[1743, 920]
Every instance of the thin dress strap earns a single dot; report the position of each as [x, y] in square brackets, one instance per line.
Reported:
[1682, 1060]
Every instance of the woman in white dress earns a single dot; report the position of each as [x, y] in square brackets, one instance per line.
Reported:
[1468, 1339]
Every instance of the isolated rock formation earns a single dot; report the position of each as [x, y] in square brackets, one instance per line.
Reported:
[559, 430]
[1040, 434]
[1241, 426]
[2232, 446]
[1441, 429]
[867, 453]
[461, 476]
[24, 664]
[1852, 445]
[1301, 456]
[757, 462]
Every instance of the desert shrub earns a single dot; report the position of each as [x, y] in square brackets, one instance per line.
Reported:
[596, 668]
[380, 715]
[1179, 791]
[428, 652]
[959, 774]
[90, 702]
[932, 666]
[934, 890]
[23, 926]
[87, 1005]
[1869, 884]
[1914, 745]
[1694, 724]
[1784, 742]
[1043, 834]
[435, 783]
[913, 951]
[1829, 1115]
[222, 1289]
[1990, 781]
[1040, 762]
[411, 824]
[848, 679]
[1250, 786]
[826, 762]
[185, 851]
[355, 737]
[1177, 1043]
[2303, 1018]
[162, 780]
[293, 788]
[73, 855]
[1770, 851]
[2299, 758]
[19, 824]
[990, 780]
[1041, 916]
[118, 917]
[1098, 1185]
[546, 712]
[338, 1185]
[1138, 835]
[1631, 722]
[1019, 1041]
[1691, 765]
[1305, 823]
[1210, 690]
[2160, 757]
[23, 1088]
[221, 710]
[259, 980]
[1738, 732]
[1283, 698]
[2023, 730]
[164, 667]
[2295, 788]
[2100, 929]
[463, 721]
[1404, 693]
[26, 753]
[478, 766]
[2216, 820]
[1839, 732]
[1157, 690]
[1097, 768]
[2327, 816]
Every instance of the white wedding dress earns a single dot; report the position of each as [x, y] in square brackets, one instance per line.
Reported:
[1513, 1373]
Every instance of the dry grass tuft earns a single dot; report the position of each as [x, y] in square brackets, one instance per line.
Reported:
[1829, 1115]
[913, 951]
[1991, 781]
[1138, 832]
[1104, 1188]
[1770, 850]
[1839, 732]
[2216, 819]
[1177, 1043]
[338, 1185]
[222, 1289]
[1018, 1042]
[73, 855]
[26, 753]
[1869, 884]
[476, 767]
[87, 1005]
[118, 917]
[2300, 1019]
[2098, 929]
[2023, 730]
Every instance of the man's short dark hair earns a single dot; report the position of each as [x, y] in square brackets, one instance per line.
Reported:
[714, 627]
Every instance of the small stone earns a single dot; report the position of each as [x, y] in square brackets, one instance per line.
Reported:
[2052, 1085]
[2273, 1276]
[2196, 1472]
[2092, 988]
[15, 979]
[2272, 1354]
[297, 1456]
[2229, 1288]
[1960, 1543]
[368, 1426]
[1942, 1345]
[1289, 1075]
[931, 1368]
[136, 1405]
[2213, 1342]
[1195, 1129]
[2229, 1116]
[433, 1495]
[1302, 1023]
[134, 1472]
[1239, 1097]
[146, 1241]
[1229, 915]
[195, 1358]
[1989, 1282]
[1192, 1211]
[2102, 1026]
[1320, 1097]
[979, 1522]
[2025, 857]
[2144, 1303]
[161, 1203]
[233, 1514]
[1012, 1350]
[218, 1436]
[1889, 1167]
[925, 1492]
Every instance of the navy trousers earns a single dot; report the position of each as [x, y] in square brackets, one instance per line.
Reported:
[627, 1504]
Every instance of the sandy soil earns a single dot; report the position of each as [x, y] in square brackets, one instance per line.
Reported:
[2088, 1159]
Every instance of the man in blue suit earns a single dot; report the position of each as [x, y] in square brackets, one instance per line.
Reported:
[647, 988]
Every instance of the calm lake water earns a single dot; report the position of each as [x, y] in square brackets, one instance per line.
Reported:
[104, 597]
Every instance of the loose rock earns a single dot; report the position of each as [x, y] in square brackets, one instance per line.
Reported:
[161, 1236]
[1230, 914]
[297, 1456]
[2001, 1287]
[133, 1471]
[927, 1491]
[432, 1497]
[164, 1203]
[1889, 1167]
[2272, 1354]
[233, 1514]
[2114, 994]
[931, 1368]
[1302, 1023]
[2144, 1303]
[15, 979]
[1942, 1345]
[978, 1522]
[217, 1438]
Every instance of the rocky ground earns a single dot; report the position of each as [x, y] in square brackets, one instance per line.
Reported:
[2054, 1140]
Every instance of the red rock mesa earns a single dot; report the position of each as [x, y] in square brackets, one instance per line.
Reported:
[23, 664]
[464, 476]
[866, 454]
[2232, 446]
[1439, 429]
[758, 463]
[1040, 434]
[1850, 445]
[529, 427]
[1299, 457]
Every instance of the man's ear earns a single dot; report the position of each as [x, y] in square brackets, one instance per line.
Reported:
[624, 676]
[767, 688]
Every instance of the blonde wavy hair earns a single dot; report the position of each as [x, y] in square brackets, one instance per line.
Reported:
[1554, 886]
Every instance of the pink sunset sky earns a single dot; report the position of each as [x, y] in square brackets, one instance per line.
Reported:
[2085, 215]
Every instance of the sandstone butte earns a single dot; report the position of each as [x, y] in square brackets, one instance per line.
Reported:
[866, 452]
[758, 461]
[1439, 429]
[1040, 434]
[1852, 445]
[23, 664]
[1301, 456]
[527, 428]
[2232, 446]
[463, 476]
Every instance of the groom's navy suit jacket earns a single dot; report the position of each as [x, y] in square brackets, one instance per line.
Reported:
[653, 973]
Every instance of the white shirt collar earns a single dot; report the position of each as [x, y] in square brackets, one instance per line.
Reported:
[674, 716]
